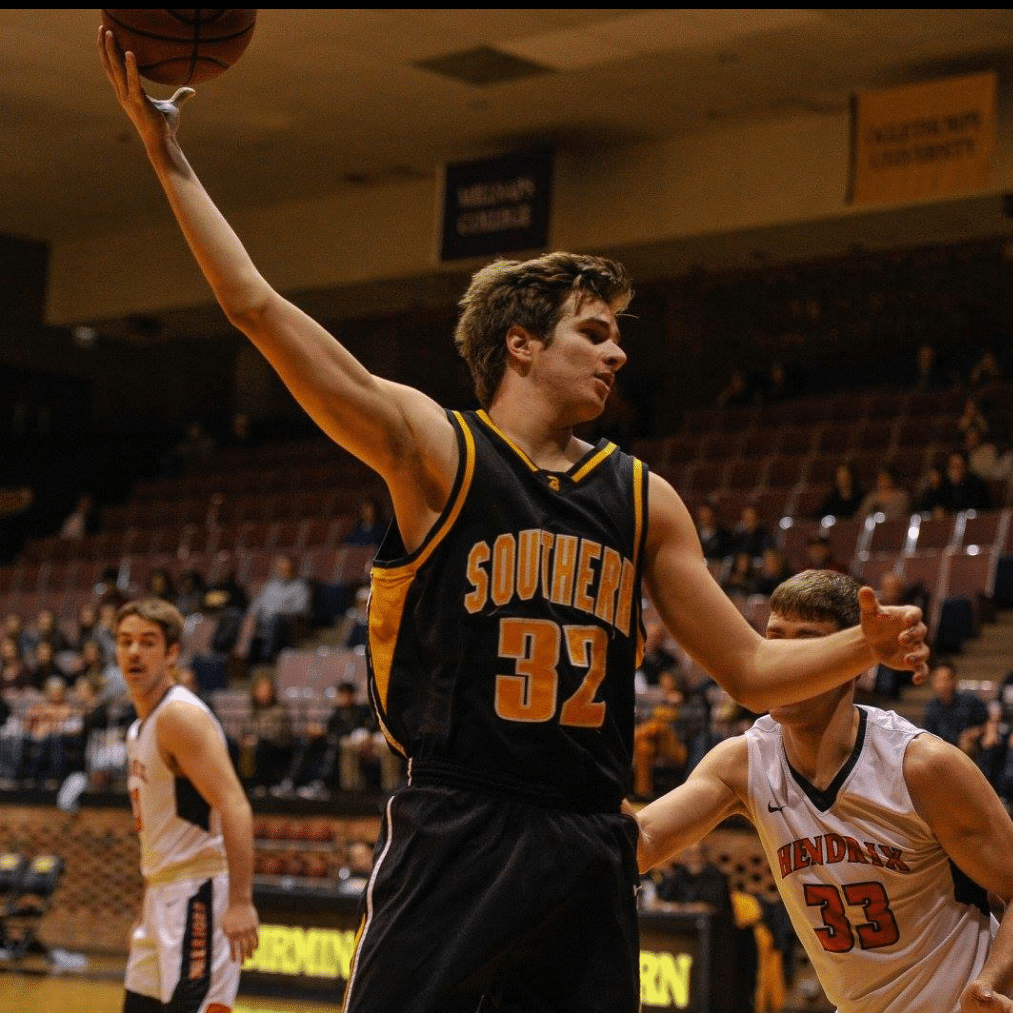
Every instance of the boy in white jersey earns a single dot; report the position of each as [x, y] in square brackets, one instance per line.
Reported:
[197, 923]
[884, 840]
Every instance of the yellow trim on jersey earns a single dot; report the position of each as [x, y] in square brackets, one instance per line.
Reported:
[638, 508]
[605, 451]
[390, 585]
[506, 439]
[639, 524]
[577, 476]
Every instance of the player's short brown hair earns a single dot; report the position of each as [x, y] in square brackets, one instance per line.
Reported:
[155, 610]
[531, 294]
[818, 596]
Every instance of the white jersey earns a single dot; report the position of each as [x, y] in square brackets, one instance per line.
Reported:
[181, 835]
[887, 920]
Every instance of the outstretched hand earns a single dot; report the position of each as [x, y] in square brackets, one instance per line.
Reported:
[153, 118]
[978, 999]
[896, 634]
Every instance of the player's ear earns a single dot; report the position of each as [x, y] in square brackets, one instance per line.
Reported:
[520, 343]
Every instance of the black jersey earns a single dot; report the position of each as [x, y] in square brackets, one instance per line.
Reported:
[502, 651]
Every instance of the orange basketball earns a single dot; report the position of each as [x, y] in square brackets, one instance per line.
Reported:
[177, 47]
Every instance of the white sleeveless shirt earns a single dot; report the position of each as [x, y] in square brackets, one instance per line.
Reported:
[180, 834]
[887, 920]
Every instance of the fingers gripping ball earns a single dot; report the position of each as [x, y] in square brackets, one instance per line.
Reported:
[177, 47]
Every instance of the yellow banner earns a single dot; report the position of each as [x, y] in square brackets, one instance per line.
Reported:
[923, 140]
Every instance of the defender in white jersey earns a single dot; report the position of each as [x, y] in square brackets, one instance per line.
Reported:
[197, 922]
[886, 843]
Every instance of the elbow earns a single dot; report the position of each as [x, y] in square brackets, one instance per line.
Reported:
[246, 303]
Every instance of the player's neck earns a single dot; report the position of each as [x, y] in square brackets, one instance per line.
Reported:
[145, 701]
[818, 749]
[548, 442]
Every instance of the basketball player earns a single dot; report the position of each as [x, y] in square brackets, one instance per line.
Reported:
[883, 840]
[197, 922]
[504, 623]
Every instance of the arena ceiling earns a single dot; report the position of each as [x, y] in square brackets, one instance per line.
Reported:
[325, 100]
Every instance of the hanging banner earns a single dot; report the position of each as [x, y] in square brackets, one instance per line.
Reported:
[496, 205]
[923, 140]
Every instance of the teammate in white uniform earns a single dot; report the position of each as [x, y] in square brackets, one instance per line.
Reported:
[197, 923]
[884, 841]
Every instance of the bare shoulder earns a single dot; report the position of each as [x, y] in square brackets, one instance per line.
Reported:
[184, 719]
[727, 761]
[929, 757]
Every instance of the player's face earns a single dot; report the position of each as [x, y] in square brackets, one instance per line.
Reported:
[581, 361]
[782, 627]
[142, 657]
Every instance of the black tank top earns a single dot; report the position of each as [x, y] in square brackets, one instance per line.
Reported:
[502, 651]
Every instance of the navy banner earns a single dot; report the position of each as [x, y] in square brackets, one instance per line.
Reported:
[496, 205]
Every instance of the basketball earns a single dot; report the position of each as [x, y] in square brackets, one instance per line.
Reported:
[176, 47]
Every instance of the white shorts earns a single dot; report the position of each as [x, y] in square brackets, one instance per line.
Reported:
[179, 953]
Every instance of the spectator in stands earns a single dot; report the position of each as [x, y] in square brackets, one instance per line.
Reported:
[45, 665]
[694, 878]
[193, 454]
[740, 390]
[750, 534]
[741, 579]
[774, 568]
[226, 600]
[370, 524]
[190, 593]
[727, 718]
[962, 489]
[352, 628]
[277, 615]
[12, 739]
[930, 374]
[14, 670]
[658, 656]
[82, 520]
[657, 742]
[242, 434]
[931, 499]
[973, 416]
[845, 497]
[985, 370]
[782, 383]
[14, 627]
[46, 629]
[888, 498]
[104, 681]
[267, 742]
[84, 626]
[991, 749]
[715, 538]
[819, 555]
[161, 585]
[53, 736]
[105, 627]
[344, 754]
[982, 454]
[107, 710]
[953, 714]
[354, 874]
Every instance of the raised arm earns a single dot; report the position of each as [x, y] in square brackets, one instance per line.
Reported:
[712, 792]
[762, 673]
[191, 743]
[396, 430]
[953, 796]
